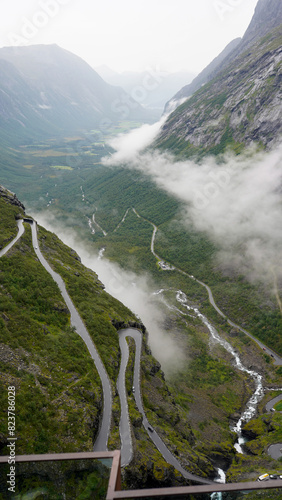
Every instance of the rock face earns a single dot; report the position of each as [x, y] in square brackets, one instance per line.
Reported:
[119, 325]
[204, 76]
[240, 106]
[11, 197]
[267, 16]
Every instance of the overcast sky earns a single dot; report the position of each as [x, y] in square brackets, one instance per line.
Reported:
[129, 34]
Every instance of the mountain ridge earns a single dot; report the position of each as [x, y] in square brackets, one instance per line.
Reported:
[267, 16]
[240, 106]
[205, 75]
[46, 90]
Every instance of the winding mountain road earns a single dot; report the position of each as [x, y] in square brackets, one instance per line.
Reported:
[167, 266]
[76, 321]
[125, 430]
[20, 233]
[124, 426]
[126, 450]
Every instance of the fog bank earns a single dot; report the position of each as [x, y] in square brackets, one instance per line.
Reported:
[136, 292]
[237, 202]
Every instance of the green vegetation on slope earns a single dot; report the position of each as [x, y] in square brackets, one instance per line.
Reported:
[57, 385]
[56, 381]
[108, 193]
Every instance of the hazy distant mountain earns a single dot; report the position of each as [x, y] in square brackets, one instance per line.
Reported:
[267, 15]
[242, 104]
[45, 90]
[151, 88]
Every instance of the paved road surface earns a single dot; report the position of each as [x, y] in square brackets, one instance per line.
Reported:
[20, 233]
[77, 323]
[168, 456]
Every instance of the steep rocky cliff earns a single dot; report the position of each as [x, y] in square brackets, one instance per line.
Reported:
[204, 76]
[240, 106]
[267, 16]
[11, 197]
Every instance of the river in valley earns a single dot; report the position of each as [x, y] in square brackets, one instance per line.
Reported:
[181, 298]
[251, 407]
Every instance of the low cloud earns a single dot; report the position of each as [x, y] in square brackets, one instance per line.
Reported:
[134, 291]
[237, 203]
[127, 146]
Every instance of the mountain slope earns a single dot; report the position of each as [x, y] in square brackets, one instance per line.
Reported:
[47, 90]
[241, 105]
[267, 16]
[57, 384]
[205, 75]
[40, 354]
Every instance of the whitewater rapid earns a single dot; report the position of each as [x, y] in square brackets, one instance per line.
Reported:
[251, 406]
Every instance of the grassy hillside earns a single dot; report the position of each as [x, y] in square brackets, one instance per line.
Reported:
[208, 384]
[56, 382]
[89, 188]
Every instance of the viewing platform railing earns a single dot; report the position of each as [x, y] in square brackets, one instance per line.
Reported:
[98, 475]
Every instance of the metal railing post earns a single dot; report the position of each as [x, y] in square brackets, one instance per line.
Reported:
[115, 476]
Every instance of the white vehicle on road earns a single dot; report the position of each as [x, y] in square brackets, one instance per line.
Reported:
[263, 477]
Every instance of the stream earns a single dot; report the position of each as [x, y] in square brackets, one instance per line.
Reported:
[251, 407]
